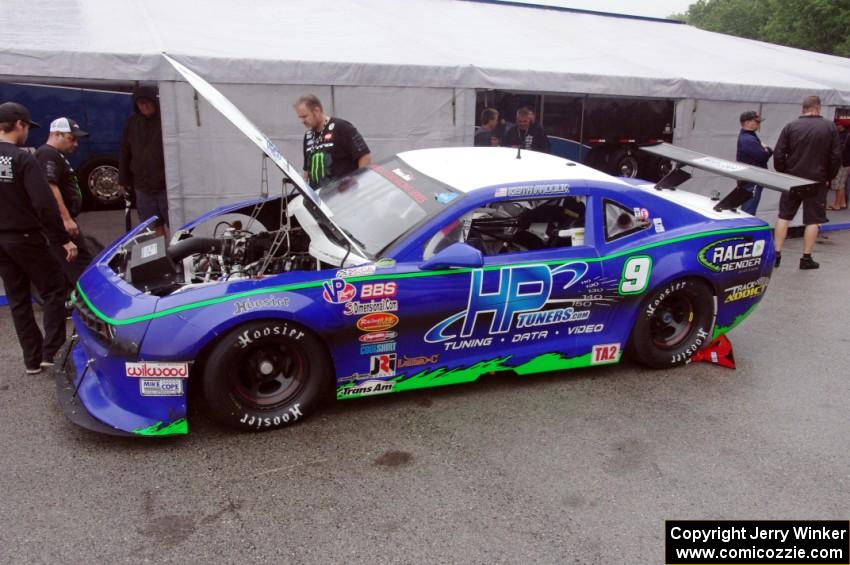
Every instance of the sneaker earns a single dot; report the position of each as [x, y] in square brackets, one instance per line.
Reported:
[45, 364]
[778, 259]
[35, 371]
[808, 263]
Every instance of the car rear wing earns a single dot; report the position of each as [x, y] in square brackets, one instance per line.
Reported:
[732, 169]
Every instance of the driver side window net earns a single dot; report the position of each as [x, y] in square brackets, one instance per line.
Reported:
[516, 225]
[621, 221]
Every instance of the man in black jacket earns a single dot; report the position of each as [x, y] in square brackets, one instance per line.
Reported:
[141, 166]
[808, 147]
[526, 133]
[752, 152]
[28, 213]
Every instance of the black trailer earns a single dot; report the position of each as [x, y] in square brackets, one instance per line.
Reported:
[603, 132]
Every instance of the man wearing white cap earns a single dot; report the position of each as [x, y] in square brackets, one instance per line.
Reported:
[63, 140]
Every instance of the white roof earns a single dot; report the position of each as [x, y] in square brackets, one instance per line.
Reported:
[471, 168]
[439, 43]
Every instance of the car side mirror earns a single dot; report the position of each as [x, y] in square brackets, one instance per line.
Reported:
[455, 255]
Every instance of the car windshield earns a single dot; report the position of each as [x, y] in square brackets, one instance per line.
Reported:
[376, 205]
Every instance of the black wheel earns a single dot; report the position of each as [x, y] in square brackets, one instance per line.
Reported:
[99, 183]
[656, 168]
[674, 322]
[623, 163]
[265, 375]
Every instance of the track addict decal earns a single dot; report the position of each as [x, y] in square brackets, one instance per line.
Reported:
[732, 254]
[747, 290]
[520, 294]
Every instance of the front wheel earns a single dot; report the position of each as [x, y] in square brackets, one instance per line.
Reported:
[674, 322]
[265, 375]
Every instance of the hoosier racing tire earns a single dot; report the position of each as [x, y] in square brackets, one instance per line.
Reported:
[674, 322]
[266, 375]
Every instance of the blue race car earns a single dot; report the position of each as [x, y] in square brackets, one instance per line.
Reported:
[431, 268]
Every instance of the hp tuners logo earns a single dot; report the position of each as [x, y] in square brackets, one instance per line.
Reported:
[502, 295]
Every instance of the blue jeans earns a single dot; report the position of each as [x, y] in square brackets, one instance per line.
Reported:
[751, 205]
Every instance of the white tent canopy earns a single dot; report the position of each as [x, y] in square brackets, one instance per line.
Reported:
[405, 72]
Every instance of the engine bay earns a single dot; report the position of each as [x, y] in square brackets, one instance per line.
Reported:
[259, 239]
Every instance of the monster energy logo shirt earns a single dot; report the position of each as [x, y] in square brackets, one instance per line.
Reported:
[60, 172]
[333, 152]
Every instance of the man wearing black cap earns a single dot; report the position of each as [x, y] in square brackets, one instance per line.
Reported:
[752, 152]
[64, 139]
[28, 213]
[141, 166]
[809, 148]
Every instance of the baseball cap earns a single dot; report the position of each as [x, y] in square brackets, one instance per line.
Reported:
[12, 112]
[67, 125]
[750, 115]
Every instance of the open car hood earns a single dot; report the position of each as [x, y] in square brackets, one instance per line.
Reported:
[312, 202]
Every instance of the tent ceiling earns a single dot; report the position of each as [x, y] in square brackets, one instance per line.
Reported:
[441, 43]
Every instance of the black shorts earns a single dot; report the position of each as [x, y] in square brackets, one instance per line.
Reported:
[814, 206]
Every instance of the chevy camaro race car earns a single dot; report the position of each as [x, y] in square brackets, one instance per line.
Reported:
[431, 268]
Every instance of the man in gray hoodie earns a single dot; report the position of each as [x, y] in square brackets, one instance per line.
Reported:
[141, 167]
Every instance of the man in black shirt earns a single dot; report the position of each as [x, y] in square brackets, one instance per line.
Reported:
[808, 147]
[526, 134]
[28, 213]
[332, 146]
[64, 140]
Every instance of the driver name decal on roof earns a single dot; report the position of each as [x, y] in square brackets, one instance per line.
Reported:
[533, 190]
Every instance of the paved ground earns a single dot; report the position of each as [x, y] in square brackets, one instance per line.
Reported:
[578, 468]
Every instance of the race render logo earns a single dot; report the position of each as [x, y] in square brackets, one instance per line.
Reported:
[149, 369]
[747, 290]
[518, 297]
[732, 254]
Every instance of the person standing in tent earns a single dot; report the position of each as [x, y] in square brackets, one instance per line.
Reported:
[752, 152]
[63, 140]
[333, 147]
[809, 148]
[839, 185]
[526, 133]
[141, 166]
[486, 135]
[28, 213]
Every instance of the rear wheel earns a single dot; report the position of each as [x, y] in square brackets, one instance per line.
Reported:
[99, 183]
[623, 163]
[674, 322]
[265, 375]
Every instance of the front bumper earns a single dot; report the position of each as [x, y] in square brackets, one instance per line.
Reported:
[94, 397]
